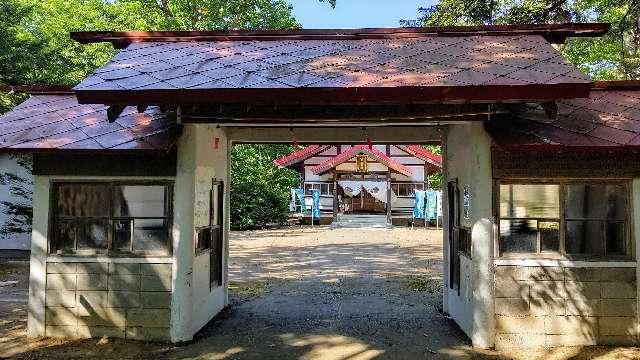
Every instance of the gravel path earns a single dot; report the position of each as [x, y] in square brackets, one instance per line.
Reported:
[334, 294]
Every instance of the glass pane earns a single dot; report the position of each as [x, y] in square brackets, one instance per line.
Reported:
[539, 200]
[122, 235]
[203, 239]
[82, 200]
[149, 234]
[65, 236]
[549, 235]
[139, 201]
[518, 236]
[584, 237]
[95, 235]
[615, 239]
[307, 189]
[215, 196]
[596, 201]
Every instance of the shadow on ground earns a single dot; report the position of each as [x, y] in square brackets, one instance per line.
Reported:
[311, 294]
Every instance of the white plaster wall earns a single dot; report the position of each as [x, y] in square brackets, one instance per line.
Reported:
[394, 150]
[193, 304]
[9, 164]
[468, 158]
[316, 160]
[310, 176]
[407, 159]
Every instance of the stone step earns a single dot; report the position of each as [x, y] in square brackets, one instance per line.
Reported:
[360, 222]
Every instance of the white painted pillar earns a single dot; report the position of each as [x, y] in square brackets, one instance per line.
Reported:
[203, 155]
[467, 156]
[37, 263]
[183, 234]
[481, 221]
[445, 227]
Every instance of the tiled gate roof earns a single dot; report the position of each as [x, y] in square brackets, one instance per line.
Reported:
[610, 117]
[428, 68]
[47, 122]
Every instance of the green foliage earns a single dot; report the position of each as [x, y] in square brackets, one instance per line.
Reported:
[214, 14]
[260, 191]
[613, 56]
[435, 180]
[35, 49]
[19, 213]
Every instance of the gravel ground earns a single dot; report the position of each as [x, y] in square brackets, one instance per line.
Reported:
[305, 293]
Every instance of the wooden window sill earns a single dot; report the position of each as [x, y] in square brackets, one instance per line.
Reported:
[109, 259]
[562, 262]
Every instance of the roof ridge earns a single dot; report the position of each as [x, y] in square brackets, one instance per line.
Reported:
[355, 150]
[553, 32]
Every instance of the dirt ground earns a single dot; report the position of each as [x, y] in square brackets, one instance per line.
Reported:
[303, 293]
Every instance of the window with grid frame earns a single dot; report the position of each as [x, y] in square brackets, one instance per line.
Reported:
[406, 189]
[111, 218]
[324, 188]
[572, 218]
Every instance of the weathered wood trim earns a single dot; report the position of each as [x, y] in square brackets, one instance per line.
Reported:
[565, 164]
[105, 165]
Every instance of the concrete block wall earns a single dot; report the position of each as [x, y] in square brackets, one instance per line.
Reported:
[539, 306]
[124, 300]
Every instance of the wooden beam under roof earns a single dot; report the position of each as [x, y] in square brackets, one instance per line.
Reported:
[337, 115]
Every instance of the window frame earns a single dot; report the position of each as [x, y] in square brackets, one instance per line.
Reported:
[319, 185]
[628, 222]
[217, 224]
[397, 185]
[54, 219]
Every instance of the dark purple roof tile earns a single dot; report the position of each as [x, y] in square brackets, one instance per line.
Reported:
[189, 81]
[527, 59]
[603, 119]
[59, 122]
[245, 80]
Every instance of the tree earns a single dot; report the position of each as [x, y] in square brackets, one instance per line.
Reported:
[35, 49]
[435, 180]
[260, 192]
[613, 56]
[215, 14]
[19, 212]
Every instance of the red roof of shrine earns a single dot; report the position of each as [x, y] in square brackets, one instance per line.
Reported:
[299, 155]
[610, 117]
[357, 150]
[424, 154]
[48, 122]
[487, 63]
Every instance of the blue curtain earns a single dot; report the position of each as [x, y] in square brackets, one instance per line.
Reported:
[418, 205]
[315, 194]
[431, 205]
[300, 196]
